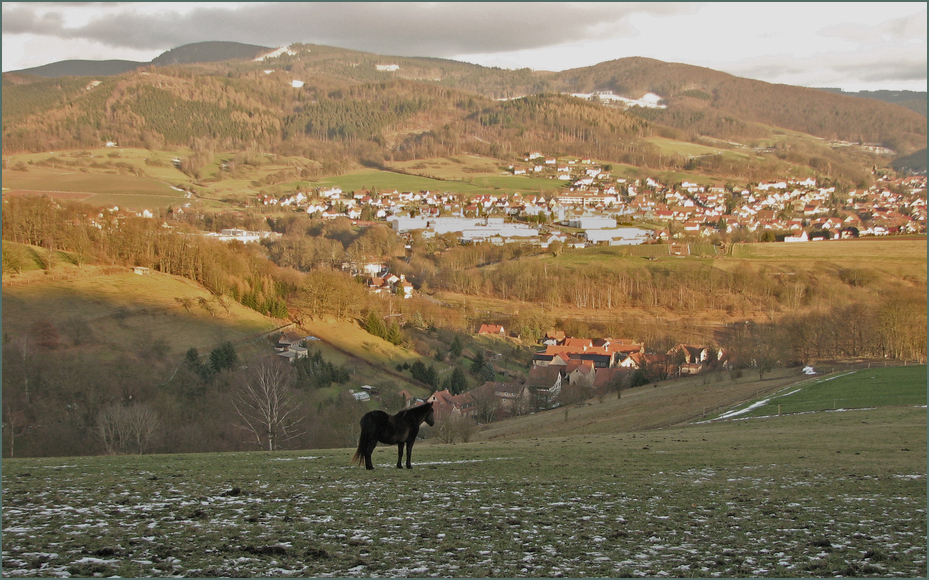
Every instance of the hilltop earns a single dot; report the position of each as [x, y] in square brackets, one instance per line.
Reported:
[187, 54]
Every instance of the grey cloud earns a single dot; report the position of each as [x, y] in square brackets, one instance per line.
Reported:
[872, 66]
[23, 20]
[403, 28]
[913, 68]
[896, 29]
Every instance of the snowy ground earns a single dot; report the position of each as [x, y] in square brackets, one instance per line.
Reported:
[635, 506]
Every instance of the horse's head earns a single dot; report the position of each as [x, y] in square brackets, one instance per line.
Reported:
[430, 415]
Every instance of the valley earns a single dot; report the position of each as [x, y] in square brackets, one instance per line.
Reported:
[164, 224]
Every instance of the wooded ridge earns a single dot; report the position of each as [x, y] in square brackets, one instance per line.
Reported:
[311, 95]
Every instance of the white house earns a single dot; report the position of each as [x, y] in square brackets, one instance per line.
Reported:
[617, 236]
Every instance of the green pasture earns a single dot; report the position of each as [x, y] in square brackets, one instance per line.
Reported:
[815, 495]
[850, 389]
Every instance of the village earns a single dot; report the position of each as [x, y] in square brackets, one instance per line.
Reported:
[594, 207]
[564, 371]
[569, 370]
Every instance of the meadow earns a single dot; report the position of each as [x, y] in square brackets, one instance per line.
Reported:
[909, 250]
[463, 184]
[868, 387]
[117, 307]
[799, 495]
[687, 149]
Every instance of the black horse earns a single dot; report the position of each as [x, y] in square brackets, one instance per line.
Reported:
[399, 429]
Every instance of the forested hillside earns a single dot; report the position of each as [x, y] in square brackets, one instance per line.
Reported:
[721, 105]
[368, 108]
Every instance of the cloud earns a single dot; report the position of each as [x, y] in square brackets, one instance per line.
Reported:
[897, 30]
[403, 28]
[18, 20]
[860, 67]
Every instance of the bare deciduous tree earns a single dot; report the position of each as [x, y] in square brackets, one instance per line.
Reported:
[485, 404]
[128, 428]
[265, 404]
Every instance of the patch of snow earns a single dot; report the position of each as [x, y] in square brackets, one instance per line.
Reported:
[751, 407]
[275, 53]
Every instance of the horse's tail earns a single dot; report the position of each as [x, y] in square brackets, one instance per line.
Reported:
[359, 456]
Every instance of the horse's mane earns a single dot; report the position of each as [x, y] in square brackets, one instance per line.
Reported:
[415, 411]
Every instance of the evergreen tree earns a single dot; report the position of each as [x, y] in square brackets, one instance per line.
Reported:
[456, 348]
[223, 357]
[457, 383]
[478, 364]
[192, 359]
[394, 336]
[375, 325]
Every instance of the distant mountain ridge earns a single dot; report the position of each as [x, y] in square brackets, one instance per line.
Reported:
[81, 68]
[351, 106]
[210, 51]
[913, 100]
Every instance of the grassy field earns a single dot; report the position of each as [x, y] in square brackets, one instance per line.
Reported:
[468, 185]
[807, 495]
[870, 387]
[125, 191]
[670, 146]
[910, 249]
[481, 171]
[118, 308]
[898, 256]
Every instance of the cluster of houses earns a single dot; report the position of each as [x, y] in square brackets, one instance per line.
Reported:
[793, 209]
[387, 283]
[595, 364]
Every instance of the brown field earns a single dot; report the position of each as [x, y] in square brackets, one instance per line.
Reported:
[75, 195]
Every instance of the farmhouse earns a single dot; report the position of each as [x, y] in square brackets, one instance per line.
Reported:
[444, 403]
[509, 395]
[546, 379]
[491, 330]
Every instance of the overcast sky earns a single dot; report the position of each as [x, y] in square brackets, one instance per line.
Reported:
[850, 45]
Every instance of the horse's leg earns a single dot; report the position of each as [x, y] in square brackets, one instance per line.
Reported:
[400, 455]
[409, 451]
[368, 451]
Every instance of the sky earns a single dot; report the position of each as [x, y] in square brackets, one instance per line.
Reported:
[849, 45]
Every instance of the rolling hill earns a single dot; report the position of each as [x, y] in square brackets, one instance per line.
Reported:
[81, 68]
[317, 101]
